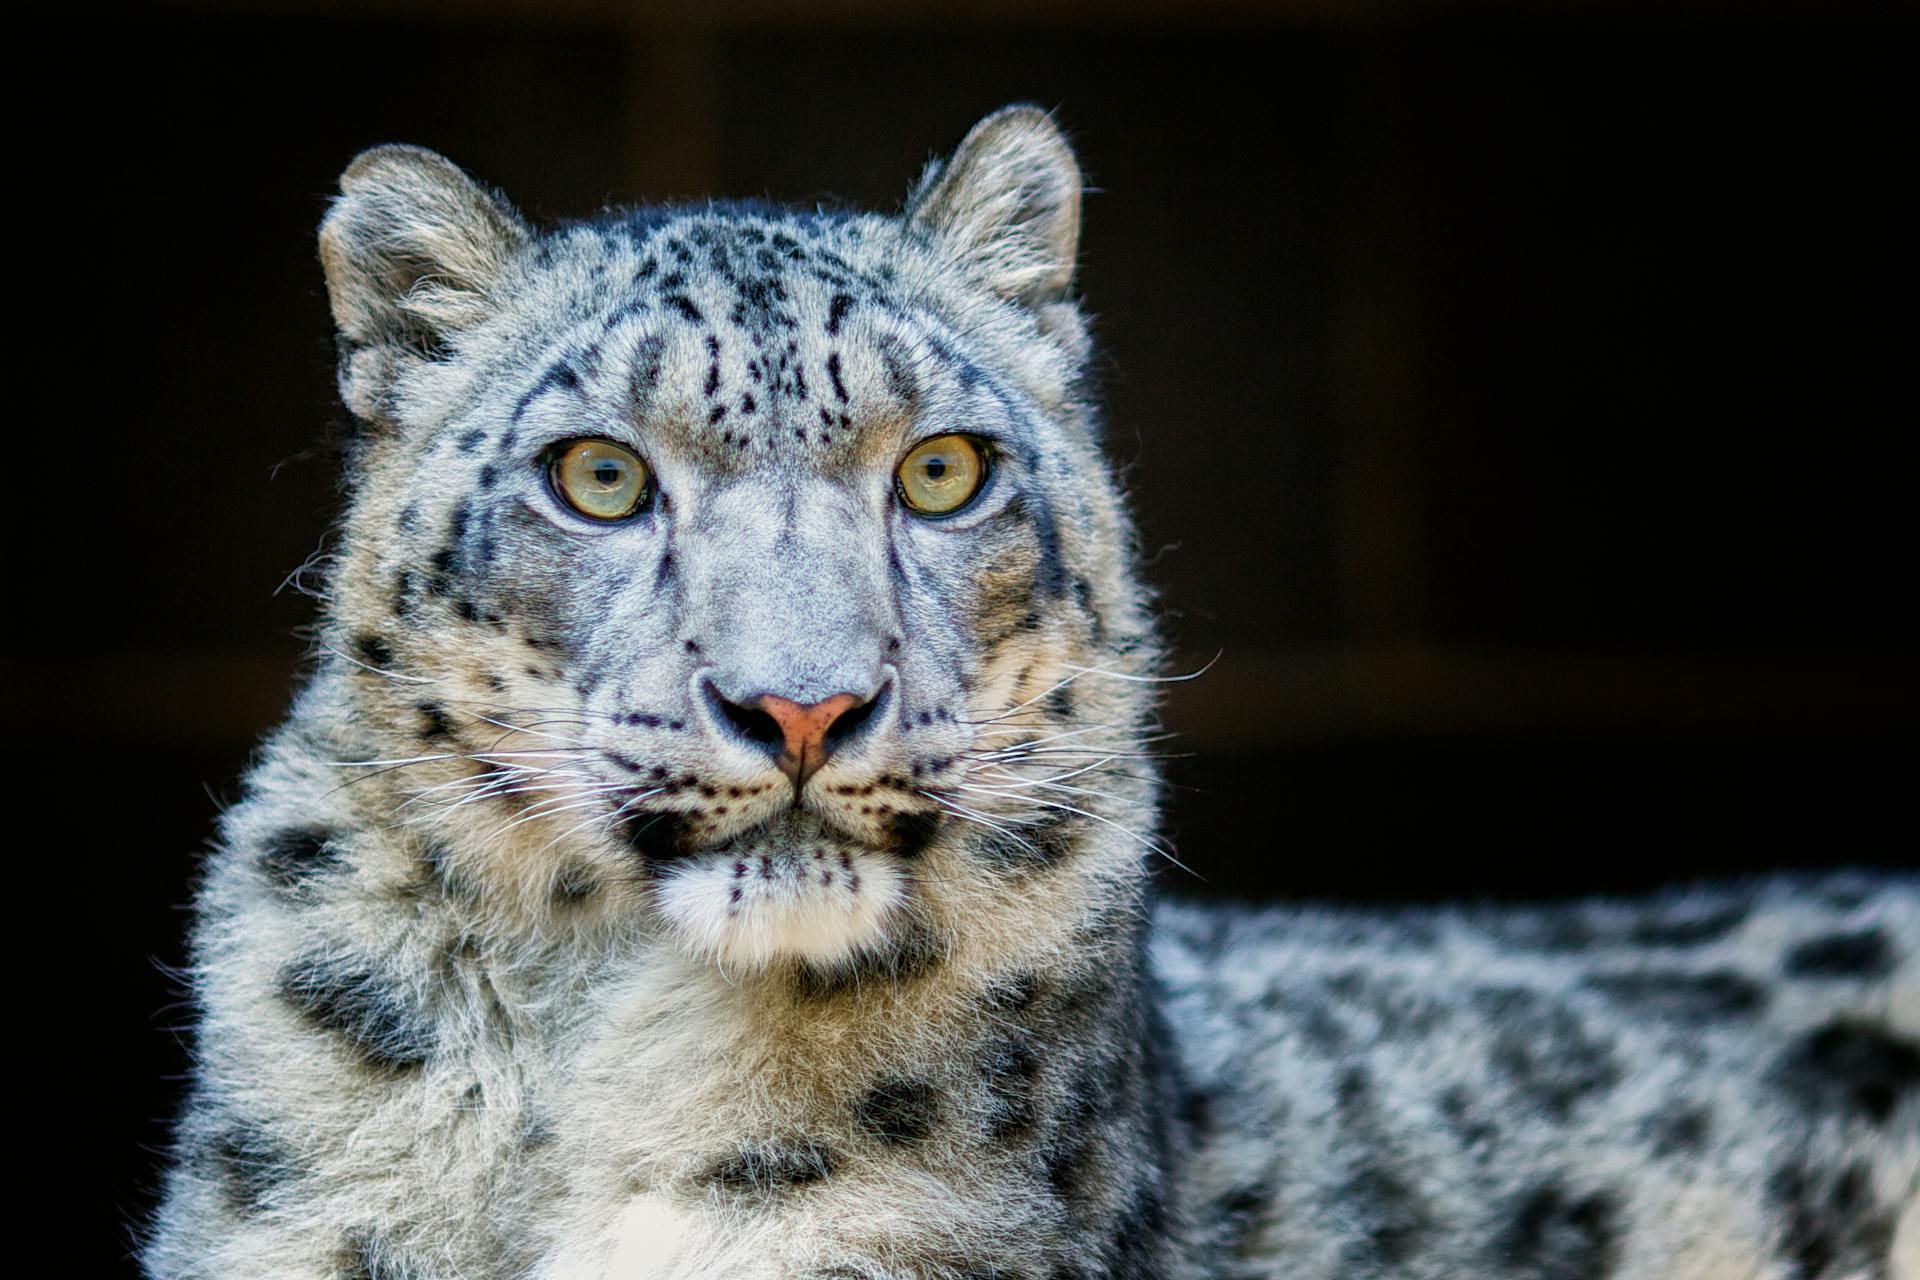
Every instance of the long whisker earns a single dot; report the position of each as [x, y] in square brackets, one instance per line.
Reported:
[1157, 846]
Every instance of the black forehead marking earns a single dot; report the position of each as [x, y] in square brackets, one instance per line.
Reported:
[712, 388]
[648, 355]
[761, 304]
[588, 362]
[629, 308]
[897, 367]
[681, 303]
[791, 379]
[837, 312]
[559, 376]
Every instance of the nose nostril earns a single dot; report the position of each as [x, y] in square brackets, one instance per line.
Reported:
[752, 723]
[848, 722]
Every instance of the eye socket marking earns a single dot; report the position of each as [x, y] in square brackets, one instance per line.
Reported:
[940, 476]
[600, 479]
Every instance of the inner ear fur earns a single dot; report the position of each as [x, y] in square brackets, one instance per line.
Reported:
[413, 250]
[1007, 205]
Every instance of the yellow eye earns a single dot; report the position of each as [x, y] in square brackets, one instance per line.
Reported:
[600, 479]
[941, 475]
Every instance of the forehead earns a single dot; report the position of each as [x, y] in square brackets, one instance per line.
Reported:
[733, 334]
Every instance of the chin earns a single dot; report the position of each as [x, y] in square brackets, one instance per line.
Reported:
[765, 900]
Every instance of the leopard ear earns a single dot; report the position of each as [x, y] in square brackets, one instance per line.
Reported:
[413, 250]
[1007, 205]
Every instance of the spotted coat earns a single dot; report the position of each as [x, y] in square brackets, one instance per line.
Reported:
[528, 952]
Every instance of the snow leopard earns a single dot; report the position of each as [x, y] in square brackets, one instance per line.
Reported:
[718, 837]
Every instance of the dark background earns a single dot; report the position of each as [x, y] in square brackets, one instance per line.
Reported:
[1517, 400]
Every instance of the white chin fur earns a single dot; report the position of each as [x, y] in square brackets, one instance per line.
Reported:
[750, 910]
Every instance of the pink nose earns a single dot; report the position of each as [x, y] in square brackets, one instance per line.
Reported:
[806, 730]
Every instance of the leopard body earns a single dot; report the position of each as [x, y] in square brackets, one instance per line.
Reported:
[520, 957]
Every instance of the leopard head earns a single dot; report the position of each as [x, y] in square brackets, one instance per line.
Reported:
[761, 565]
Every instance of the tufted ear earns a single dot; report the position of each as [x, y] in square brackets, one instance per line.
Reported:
[412, 249]
[1007, 205]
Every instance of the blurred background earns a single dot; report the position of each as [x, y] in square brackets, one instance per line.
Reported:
[1515, 398]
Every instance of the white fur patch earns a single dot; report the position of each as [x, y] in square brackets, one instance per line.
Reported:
[751, 909]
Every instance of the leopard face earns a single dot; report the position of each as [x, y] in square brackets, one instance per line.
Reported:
[752, 560]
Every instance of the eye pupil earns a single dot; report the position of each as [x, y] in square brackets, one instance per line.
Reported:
[607, 473]
[936, 467]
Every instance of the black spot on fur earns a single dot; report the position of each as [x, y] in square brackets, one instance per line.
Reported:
[559, 376]
[433, 720]
[405, 588]
[1238, 1213]
[1071, 1156]
[1850, 1069]
[1687, 996]
[1549, 1235]
[898, 1111]
[1010, 1070]
[1678, 1132]
[1387, 1214]
[1579, 931]
[1195, 1111]
[1052, 837]
[1545, 1051]
[763, 1170]
[1138, 1235]
[647, 358]
[349, 999]
[440, 582]
[911, 832]
[1865, 953]
[836, 312]
[296, 857]
[1688, 930]
[1460, 1109]
[249, 1165]
[1832, 1225]
[1013, 994]
[658, 837]
[373, 650]
[833, 372]
[574, 884]
[1309, 1016]
[1060, 697]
